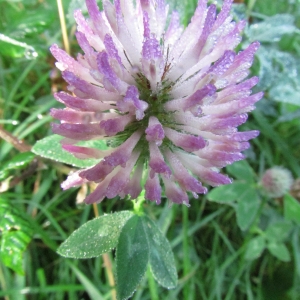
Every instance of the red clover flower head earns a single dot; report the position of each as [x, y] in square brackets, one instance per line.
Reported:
[170, 99]
[277, 181]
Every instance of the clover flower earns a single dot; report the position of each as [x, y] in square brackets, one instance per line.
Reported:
[167, 99]
[276, 181]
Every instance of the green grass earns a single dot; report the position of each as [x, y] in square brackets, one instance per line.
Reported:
[208, 245]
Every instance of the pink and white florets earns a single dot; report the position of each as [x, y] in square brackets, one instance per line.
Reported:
[171, 99]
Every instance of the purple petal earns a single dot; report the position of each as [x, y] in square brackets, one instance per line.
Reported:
[219, 158]
[73, 180]
[250, 100]
[83, 152]
[222, 16]
[156, 162]
[123, 152]
[223, 64]
[82, 104]
[146, 25]
[174, 30]
[229, 147]
[245, 56]
[98, 172]
[111, 48]
[134, 187]
[113, 126]
[90, 53]
[245, 136]
[208, 25]
[185, 141]
[117, 184]
[98, 194]
[131, 103]
[213, 178]
[77, 131]
[153, 189]
[174, 193]
[151, 49]
[110, 81]
[154, 132]
[84, 89]
[185, 180]
[84, 27]
[61, 56]
[71, 116]
[96, 17]
[197, 97]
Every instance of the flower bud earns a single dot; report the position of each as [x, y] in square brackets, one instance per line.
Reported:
[277, 181]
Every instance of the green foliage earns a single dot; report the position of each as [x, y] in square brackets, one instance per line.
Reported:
[247, 208]
[161, 259]
[228, 193]
[279, 250]
[287, 81]
[242, 170]
[242, 194]
[278, 232]
[95, 237]
[132, 257]
[16, 233]
[272, 29]
[255, 247]
[138, 242]
[19, 161]
[291, 209]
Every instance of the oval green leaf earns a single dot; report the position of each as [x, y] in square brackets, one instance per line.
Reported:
[162, 260]
[291, 209]
[255, 248]
[132, 257]
[246, 210]
[242, 171]
[280, 251]
[278, 231]
[227, 193]
[95, 237]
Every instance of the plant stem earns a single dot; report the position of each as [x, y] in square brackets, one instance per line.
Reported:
[111, 280]
[96, 211]
[63, 26]
[9, 138]
[152, 285]
[186, 252]
[107, 263]
[138, 204]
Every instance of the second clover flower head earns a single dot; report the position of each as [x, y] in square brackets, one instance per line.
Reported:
[169, 98]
